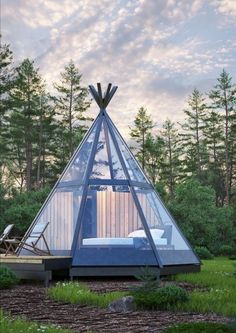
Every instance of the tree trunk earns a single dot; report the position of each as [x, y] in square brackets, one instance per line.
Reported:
[70, 120]
[227, 174]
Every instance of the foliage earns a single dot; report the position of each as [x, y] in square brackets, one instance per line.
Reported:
[203, 223]
[21, 209]
[7, 278]
[17, 325]
[227, 250]
[192, 141]
[70, 103]
[203, 252]
[201, 328]
[171, 164]
[161, 298]
[217, 276]
[74, 292]
[223, 98]
[142, 128]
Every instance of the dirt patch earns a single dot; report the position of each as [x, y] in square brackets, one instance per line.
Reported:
[32, 302]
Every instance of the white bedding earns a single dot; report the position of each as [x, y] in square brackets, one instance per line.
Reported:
[108, 241]
[119, 241]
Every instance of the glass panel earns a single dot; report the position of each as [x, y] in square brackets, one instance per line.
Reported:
[77, 169]
[117, 170]
[101, 168]
[171, 245]
[61, 211]
[111, 231]
[134, 170]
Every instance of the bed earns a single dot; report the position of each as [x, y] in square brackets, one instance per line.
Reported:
[135, 239]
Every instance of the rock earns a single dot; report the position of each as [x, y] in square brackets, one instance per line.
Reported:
[125, 304]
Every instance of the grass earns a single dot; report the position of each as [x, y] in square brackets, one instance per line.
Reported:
[78, 293]
[201, 328]
[10, 325]
[218, 276]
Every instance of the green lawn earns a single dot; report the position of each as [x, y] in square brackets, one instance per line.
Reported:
[218, 276]
[201, 328]
[10, 325]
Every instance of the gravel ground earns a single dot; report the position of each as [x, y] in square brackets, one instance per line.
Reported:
[32, 302]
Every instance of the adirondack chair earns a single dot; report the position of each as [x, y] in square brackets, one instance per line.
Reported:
[29, 242]
[4, 236]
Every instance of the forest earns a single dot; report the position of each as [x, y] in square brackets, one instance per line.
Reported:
[191, 164]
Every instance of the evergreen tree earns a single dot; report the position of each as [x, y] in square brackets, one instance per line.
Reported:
[223, 98]
[44, 152]
[153, 147]
[6, 81]
[70, 104]
[142, 128]
[171, 164]
[22, 133]
[213, 131]
[192, 141]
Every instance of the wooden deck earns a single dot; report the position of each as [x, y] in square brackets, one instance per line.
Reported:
[36, 267]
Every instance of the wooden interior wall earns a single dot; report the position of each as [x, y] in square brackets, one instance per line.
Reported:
[117, 215]
[61, 212]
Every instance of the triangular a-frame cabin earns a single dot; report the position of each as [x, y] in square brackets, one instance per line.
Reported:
[105, 213]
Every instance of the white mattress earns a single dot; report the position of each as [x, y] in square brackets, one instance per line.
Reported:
[108, 241]
[118, 241]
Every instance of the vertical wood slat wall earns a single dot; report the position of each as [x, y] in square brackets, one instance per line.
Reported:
[60, 212]
[117, 215]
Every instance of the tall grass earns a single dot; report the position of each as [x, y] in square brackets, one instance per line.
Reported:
[218, 276]
[78, 293]
[10, 325]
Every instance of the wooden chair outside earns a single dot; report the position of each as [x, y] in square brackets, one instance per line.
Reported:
[4, 236]
[29, 242]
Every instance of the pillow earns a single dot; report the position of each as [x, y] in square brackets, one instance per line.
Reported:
[156, 233]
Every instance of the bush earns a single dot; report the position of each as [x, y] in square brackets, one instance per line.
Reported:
[7, 278]
[227, 250]
[203, 252]
[150, 280]
[161, 298]
[201, 221]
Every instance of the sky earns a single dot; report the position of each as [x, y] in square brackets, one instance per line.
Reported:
[156, 51]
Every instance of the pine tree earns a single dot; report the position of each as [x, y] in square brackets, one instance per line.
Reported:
[70, 104]
[153, 147]
[171, 166]
[142, 128]
[44, 152]
[192, 141]
[22, 134]
[6, 81]
[213, 131]
[223, 98]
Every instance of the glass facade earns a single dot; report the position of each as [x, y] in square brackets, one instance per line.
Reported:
[104, 211]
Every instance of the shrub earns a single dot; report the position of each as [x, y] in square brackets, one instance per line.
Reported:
[150, 280]
[160, 299]
[227, 250]
[203, 252]
[7, 278]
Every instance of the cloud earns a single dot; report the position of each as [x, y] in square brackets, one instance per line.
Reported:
[155, 50]
[225, 7]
